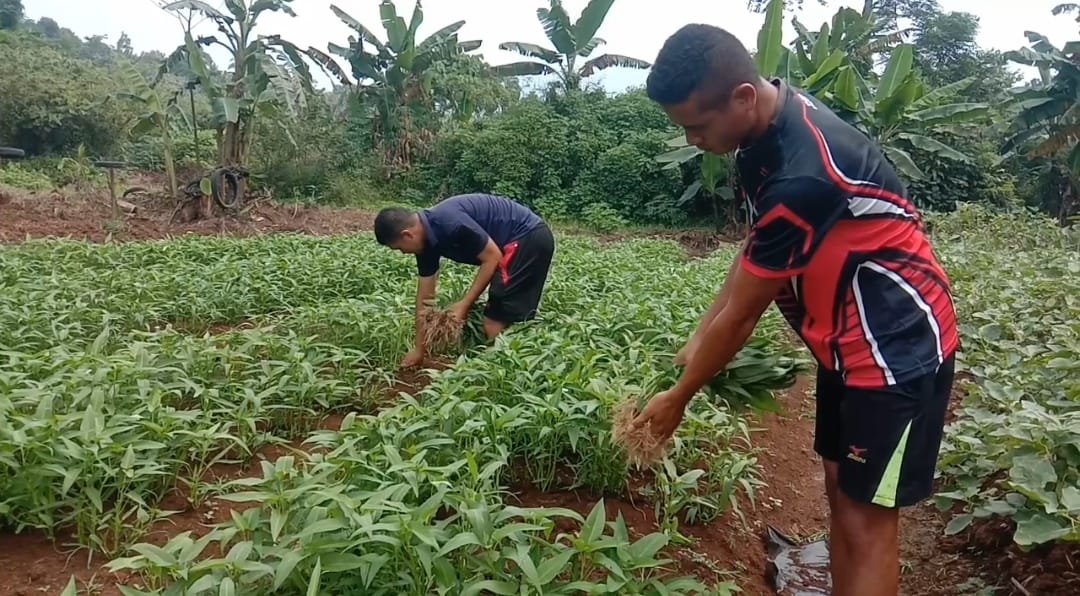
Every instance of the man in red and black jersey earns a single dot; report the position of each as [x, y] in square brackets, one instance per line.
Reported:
[838, 246]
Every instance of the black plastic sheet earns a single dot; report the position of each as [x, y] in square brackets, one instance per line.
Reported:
[798, 569]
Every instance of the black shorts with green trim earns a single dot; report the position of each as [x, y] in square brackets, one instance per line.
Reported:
[886, 441]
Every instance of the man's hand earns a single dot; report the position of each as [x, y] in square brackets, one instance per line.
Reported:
[665, 412]
[460, 310]
[412, 359]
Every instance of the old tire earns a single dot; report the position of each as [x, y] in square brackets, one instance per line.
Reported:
[227, 188]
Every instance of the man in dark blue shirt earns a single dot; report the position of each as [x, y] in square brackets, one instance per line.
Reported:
[511, 244]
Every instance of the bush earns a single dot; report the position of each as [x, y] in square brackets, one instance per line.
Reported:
[582, 156]
[53, 102]
[949, 183]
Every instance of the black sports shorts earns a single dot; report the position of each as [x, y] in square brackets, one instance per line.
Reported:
[886, 441]
[515, 290]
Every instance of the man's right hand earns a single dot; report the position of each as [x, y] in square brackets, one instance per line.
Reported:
[412, 359]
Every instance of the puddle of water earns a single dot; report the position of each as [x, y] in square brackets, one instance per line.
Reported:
[798, 569]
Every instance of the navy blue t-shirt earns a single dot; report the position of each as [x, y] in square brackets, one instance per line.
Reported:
[458, 228]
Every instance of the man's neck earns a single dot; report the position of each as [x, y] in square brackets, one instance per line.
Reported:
[767, 106]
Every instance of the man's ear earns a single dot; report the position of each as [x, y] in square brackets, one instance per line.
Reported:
[745, 94]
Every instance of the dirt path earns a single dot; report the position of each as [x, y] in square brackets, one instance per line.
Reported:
[88, 217]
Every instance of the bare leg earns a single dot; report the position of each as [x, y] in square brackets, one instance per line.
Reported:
[869, 553]
[493, 328]
[838, 547]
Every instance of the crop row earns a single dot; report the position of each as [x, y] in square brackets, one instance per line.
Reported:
[1014, 450]
[116, 415]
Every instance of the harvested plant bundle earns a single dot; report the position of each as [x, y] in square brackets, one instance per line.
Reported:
[642, 446]
[442, 330]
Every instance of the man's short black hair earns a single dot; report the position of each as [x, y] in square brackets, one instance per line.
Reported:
[390, 223]
[700, 58]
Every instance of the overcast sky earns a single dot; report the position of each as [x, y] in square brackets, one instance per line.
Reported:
[634, 27]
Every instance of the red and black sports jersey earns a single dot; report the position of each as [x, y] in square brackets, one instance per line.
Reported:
[867, 294]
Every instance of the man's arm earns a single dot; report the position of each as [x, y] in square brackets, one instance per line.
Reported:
[721, 298]
[425, 293]
[727, 332]
[489, 262]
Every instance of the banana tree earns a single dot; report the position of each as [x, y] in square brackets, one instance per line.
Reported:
[852, 38]
[571, 41]
[393, 78]
[158, 114]
[715, 173]
[901, 113]
[268, 77]
[1047, 125]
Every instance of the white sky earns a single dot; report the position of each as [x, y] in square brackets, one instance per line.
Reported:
[634, 27]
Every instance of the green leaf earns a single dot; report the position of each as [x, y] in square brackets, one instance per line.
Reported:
[522, 69]
[395, 26]
[71, 589]
[770, 41]
[458, 541]
[827, 67]
[1032, 472]
[1038, 528]
[226, 109]
[501, 588]
[553, 566]
[557, 28]
[679, 156]
[1070, 500]
[689, 194]
[959, 524]
[934, 146]
[647, 547]
[316, 579]
[365, 34]
[593, 527]
[285, 566]
[227, 587]
[155, 554]
[951, 113]
[531, 50]
[202, 7]
[896, 71]
[592, 17]
[845, 89]
[901, 159]
[610, 61]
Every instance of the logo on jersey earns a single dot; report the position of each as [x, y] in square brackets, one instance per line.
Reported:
[806, 100]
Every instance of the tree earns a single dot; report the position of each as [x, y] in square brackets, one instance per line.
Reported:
[1047, 124]
[52, 101]
[157, 115]
[571, 41]
[268, 78]
[393, 78]
[11, 13]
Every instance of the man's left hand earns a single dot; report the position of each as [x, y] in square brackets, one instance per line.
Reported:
[460, 310]
[665, 412]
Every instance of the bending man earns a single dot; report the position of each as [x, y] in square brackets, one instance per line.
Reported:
[840, 248]
[512, 246]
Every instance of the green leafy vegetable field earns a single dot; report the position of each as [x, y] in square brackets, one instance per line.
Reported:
[131, 372]
[132, 369]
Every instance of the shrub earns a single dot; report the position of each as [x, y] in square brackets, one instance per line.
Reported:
[52, 102]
